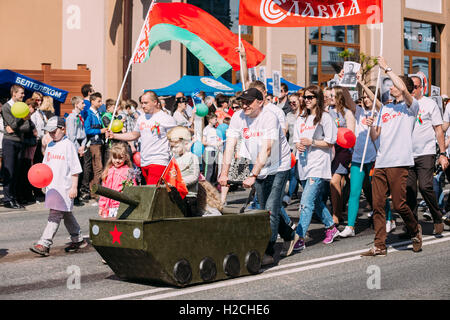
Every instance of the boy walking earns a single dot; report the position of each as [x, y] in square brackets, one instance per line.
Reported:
[61, 156]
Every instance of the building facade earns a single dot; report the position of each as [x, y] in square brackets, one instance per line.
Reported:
[66, 33]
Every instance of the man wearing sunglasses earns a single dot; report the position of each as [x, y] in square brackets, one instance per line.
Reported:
[269, 152]
[283, 100]
[427, 130]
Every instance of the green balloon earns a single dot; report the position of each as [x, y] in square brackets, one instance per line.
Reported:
[20, 110]
[201, 110]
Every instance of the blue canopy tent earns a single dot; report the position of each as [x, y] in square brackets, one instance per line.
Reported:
[193, 84]
[8, 78]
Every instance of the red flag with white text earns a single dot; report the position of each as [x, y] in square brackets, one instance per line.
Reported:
[309, 13]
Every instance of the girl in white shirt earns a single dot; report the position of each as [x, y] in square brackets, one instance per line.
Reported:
[314, 137]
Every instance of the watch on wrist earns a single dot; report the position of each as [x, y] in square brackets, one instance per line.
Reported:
[252, 175]
[443, 154]
[388, 69]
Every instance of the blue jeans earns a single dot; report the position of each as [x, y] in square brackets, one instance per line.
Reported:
[292, 181]
[270, 191]
[438, 182]
[312, 201]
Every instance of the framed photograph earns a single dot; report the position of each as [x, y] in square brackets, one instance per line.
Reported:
[252, 74]
[439, 102]
[435, 91]
[354, 94]
[385, 90]
[333, 82]
[262, 75]
[276, 78]
[350, 70]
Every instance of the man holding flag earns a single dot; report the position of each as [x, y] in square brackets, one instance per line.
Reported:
[394, 127]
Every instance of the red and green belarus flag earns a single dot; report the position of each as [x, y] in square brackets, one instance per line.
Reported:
[207, 38]
[309, 13]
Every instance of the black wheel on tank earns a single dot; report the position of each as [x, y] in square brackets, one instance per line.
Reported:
[253, 261]
[182, 272]
[208, 270]
[231, 265]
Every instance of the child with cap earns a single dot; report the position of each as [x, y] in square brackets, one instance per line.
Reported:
[61, 156]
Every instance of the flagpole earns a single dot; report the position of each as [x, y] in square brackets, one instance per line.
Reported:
[375, 97]
[129, 66]
[240, 58]
[164, 172]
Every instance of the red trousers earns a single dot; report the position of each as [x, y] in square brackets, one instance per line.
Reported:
[152, 173]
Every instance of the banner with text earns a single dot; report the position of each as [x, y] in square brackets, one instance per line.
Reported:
[309, 13]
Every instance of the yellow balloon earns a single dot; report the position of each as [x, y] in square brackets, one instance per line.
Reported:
[20, 110]
[117, 126]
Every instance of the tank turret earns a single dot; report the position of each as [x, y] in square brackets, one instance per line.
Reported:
[151, 239]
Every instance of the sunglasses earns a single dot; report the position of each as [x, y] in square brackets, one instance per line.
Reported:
[292, 102]
[417, 87]
[309, 97]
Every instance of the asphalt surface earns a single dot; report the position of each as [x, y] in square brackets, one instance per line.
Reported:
[332, 272]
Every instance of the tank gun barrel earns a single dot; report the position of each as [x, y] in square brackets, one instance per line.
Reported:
[112, 194]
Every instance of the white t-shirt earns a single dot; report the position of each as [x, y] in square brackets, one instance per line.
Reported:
[62, 158]
[154, 144]
[181, 120]
[424, 136]
[278, 112]
[361, 132]
[210, 133]
[255, 132]
[397, 125]
[318, 160]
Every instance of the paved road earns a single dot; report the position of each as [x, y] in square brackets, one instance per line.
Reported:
[320, 272]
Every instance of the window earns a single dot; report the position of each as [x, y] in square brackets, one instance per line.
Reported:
[422, 50]
[326, 43]
[226, 11]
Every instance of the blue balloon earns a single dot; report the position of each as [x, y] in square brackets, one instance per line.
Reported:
[222, 131]
[197, 148]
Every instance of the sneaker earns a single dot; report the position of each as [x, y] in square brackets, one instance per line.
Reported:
[347, 232]
[40, 249]
[290, 245]
[446, 218]
[427, 216]
[299, 245]
[286, 201]
[266, 260]
[422, 204]
[417, 240]
[330, 235]
[438, 228]
[374, 251]
[74, 246]
[390, 226]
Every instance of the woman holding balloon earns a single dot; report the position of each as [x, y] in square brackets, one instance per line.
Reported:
[343, 113]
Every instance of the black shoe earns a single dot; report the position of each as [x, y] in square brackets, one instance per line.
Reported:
[11, 205]
[19, 204]
[77, 202]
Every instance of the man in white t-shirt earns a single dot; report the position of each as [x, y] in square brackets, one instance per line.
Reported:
[269, 151]
[394, 127]
[427, 129]
[151, 127]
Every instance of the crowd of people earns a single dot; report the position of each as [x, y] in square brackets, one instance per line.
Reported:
[274, 146]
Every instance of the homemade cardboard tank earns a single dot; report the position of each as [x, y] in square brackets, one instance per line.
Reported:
[152, 239]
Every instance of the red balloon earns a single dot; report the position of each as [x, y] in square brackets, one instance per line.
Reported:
[40, 175]
[137, 159]
[293, 160]
[346, 138]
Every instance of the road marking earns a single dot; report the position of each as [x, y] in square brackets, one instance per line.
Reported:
[134, 294]
[272, 272]
[269, 275]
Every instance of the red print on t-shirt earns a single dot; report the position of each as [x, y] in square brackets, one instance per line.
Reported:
[247, 134]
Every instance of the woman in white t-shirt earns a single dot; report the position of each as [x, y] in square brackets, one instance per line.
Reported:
[343, 113]
[181, 116]
[314, 139]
